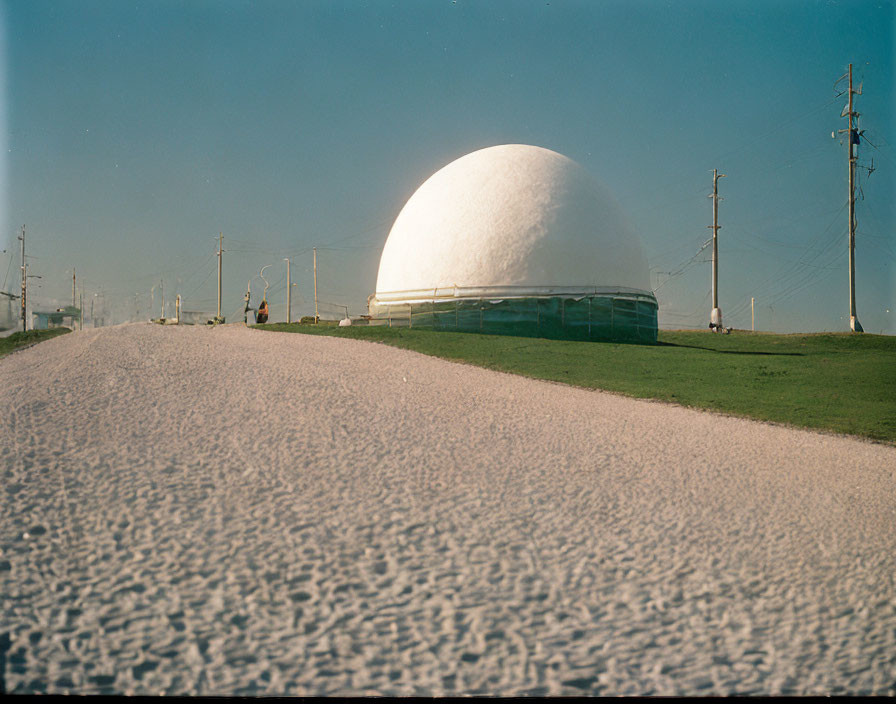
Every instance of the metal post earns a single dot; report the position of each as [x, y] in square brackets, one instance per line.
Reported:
[24, 280]
[315, 286]
[715, 239]
[288, 294]
[220, 250]
[73, 288]
[177, 310]
[854, 323]
[715, 317]
[753, 314]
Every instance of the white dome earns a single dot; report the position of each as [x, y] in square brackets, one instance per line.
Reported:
[511, 220]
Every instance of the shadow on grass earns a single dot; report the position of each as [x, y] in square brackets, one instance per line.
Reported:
[747, 352]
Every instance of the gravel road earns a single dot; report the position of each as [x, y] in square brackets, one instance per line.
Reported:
[209, 511]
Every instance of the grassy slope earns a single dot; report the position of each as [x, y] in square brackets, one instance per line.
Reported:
[25, 339]
[840, 382]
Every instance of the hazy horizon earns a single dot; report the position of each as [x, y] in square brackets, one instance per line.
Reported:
[135, 134]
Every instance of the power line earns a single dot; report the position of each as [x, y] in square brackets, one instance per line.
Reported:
[677, 248]
[777, 128]
[684, 267]
[207, 277]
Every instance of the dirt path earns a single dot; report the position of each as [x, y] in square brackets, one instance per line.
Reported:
[190, 510]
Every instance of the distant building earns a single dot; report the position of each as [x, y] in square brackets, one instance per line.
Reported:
[55, 318]
[9, 314]
[516, 240]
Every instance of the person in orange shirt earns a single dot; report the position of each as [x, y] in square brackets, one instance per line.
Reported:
[262, 315]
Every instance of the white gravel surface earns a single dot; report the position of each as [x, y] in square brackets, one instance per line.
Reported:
[189, 510]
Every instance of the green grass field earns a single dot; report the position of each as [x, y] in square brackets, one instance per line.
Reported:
[839, 382]
[25, 339]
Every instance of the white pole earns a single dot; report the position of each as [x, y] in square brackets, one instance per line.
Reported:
[288, 293]
[220, 249]
[752, 314]
[315, 285]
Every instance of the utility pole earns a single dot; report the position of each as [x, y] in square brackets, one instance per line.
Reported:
[288, 293]
[852, 140]
[315, 285]
[24, 280]
[715, 318]
[73, 288]
[220, 250]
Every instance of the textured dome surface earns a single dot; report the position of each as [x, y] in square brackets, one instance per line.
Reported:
[511, 215]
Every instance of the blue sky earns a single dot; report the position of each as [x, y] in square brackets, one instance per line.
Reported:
[135, 132]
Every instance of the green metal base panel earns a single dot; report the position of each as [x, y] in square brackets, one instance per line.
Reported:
[598, 318]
